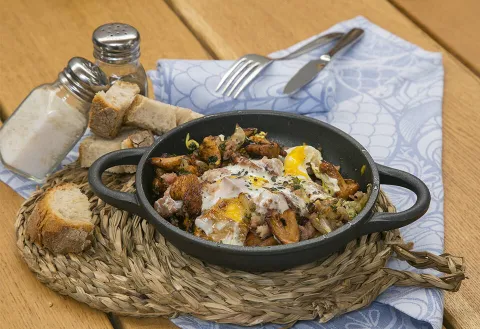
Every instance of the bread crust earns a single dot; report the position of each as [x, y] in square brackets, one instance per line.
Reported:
[93, 147]
[106, 113]
[52, 232]
[137, 102]
[150, 114]
[105, 120]
[184, 115]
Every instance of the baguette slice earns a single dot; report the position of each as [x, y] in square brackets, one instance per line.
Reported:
[62, 222]
[150, 114]
[108, 109]
[93, 147]
[184, 115]
[138, 138]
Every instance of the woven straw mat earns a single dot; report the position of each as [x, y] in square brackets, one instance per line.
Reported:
[132, 270]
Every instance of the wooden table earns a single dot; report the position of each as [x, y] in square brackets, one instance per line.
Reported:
[38, 38]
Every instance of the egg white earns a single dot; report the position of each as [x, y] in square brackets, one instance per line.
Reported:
[299, 158]
[270, 184]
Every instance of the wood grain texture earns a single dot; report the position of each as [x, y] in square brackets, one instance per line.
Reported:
[268, 25]
[37, 40]
[146, 323]
[39, 37]
[24, 301]
[454, 24]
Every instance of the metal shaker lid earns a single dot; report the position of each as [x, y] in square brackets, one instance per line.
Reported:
[116, 43]
[83, 78]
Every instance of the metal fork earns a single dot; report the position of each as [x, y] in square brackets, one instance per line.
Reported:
[248, 67]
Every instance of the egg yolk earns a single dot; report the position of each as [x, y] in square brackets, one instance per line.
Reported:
[295, 162]
[235, 209]
[257, 181]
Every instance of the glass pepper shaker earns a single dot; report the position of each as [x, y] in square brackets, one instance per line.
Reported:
[50, 120]
[116, 48]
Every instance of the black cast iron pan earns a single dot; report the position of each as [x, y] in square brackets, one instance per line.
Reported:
[289, 130]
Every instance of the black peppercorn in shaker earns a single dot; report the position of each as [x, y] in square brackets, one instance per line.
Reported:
[116, 48]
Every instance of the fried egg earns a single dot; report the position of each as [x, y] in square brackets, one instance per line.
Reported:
[299, 158]
[231, 194]
[250, 179]
[224, 222]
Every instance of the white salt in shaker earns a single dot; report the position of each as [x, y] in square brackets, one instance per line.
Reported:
[50, 120]
[116, 48]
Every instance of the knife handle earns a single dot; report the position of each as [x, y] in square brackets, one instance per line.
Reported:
[320, 41]
[350, 38]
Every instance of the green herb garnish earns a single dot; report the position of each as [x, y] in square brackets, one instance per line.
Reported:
[296, 183]
[212, 159]
[182, 172]
[222, 146]
[362, 170]
[191, 144]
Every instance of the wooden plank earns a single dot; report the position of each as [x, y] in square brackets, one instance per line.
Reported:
[39, 37]
[453, 24]
[146, 323]
[25, 302]
[231, 29]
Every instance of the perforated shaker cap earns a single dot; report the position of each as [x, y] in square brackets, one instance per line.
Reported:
[116, 43]
[83, 78]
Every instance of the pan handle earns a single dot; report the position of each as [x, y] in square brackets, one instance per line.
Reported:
[121, 200]
[389, 221]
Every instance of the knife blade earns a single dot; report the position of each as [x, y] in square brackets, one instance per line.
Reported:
[306, 74]
[310, 70]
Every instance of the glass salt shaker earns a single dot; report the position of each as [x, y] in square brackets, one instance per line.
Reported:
[50, 120]
[116, 48]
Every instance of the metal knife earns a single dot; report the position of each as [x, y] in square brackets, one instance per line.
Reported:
[312, 68]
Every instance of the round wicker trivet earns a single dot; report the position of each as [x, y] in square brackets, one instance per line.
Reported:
[131, 270]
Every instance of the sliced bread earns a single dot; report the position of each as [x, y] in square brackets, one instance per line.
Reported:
[108, 109]
[184, 115]
[151, 114]
[140, 138]
[62, 222]
[93, 147]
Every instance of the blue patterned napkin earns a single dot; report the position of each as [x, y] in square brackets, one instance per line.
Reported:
[387, 94]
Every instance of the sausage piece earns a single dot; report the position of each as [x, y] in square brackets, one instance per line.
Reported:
[250, 131]
[233, 143]
[347, 186]
[271, 150]
[351, 187]
[159, 186]
[253, 240]
[168, 163]
[188, 189]
[209, 150]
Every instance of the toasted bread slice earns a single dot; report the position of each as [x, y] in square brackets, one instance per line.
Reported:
[151, 114]
[184, 115]
[108, 109]
[62, 222]
[93, 147]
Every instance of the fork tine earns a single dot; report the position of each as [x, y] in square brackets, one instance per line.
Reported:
[229, 72]
[243, 76]
[249, 79]
[235, 75]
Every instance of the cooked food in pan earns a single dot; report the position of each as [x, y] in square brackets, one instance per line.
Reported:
[248, 190]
